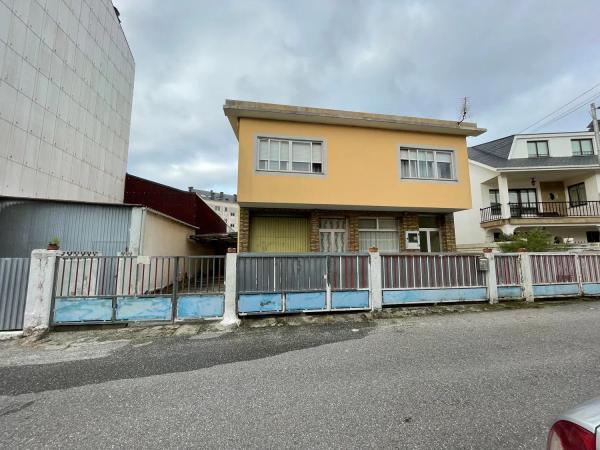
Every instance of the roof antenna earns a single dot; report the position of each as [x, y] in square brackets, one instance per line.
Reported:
[465, 110]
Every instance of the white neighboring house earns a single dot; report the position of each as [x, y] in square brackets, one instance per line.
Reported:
[523, 181]
[66, 87]
[225, 205]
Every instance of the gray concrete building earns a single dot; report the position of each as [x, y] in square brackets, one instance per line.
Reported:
[66, 87]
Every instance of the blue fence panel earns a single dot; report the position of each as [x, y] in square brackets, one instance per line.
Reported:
[509, 292]
[591, 288]
[84, 309]
[391, 297]
[257, 303]
[305, 301]
[555, 290]
[200, 306]
[144, 308]
[350, 299]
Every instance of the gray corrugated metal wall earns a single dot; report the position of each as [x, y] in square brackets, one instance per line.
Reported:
[29, 224]
[14, 273]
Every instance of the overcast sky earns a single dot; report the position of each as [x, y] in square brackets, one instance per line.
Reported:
[517, 61]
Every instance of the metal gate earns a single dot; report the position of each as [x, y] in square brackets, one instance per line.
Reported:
[93, 289]
[14, 273]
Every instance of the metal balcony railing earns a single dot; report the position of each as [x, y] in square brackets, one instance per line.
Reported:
[543, 210]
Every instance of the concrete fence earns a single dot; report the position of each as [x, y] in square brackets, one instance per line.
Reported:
[81, 289]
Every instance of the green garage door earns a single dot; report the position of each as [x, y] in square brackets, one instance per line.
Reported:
[279, 234]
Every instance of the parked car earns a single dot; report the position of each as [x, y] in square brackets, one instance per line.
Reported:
[577, 429]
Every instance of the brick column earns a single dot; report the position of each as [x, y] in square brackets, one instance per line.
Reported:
[448, 236]
[353, 244]
[315, 239]
[410, 222]
[244, 230]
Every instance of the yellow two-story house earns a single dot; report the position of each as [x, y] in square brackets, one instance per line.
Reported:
[312, 179]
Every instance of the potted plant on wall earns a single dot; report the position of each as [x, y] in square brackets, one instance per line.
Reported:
[54, 243]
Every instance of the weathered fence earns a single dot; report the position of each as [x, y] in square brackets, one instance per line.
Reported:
[508, 276]
[279, 283]
[554, 274]
[99, 289]
[431, 278]
[13, 292]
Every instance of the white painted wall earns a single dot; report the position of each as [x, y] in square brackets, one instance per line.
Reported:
[66, 86]
[466, 223]
[559, 144]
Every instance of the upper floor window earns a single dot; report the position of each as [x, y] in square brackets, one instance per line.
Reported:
[582, 147]
[426, 164]
[535, 149]
[290, 155]
[217, 208]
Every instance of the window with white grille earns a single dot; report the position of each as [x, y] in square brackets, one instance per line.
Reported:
[290, 155]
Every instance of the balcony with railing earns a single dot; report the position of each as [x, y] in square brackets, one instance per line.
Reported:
[542, 210]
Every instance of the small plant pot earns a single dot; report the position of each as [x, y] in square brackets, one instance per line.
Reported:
[487, 250]
[522, 249]
[52, 246]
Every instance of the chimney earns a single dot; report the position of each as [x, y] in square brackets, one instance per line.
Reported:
[191, 188]
[212, 194]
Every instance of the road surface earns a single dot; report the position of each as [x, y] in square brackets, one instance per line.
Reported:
[485, 380]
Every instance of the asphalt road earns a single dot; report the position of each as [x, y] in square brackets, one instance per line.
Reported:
[487, 380]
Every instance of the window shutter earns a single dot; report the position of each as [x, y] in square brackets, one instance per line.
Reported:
[263, 151]
[316, 152]
[300, 152]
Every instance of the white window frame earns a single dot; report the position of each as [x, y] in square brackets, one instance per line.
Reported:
[435, 152]
[537, 153]
[290, 142]
[378, 229]
[579, 140]
[332, 231]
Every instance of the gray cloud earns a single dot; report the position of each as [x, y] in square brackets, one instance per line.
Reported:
[515, 60]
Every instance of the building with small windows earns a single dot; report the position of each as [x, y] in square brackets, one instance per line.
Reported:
[523, 181]
[312, 179]
[225, 205]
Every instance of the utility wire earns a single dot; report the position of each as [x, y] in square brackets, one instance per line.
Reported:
[577, 107]
[562, 107]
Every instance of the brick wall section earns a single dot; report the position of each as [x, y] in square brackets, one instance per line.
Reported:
[353, 245]
[409, 222]
[315, 223]
[448, 236]
[244, 230]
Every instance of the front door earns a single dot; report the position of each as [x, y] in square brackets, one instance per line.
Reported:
[429, 240]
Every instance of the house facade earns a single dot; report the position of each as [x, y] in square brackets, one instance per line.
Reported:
[524, 181]
[313, 180]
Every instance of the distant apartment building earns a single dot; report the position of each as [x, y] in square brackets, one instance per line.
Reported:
[225, 205]
[66, 87]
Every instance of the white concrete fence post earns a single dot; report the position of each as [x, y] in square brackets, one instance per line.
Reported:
[230, 317]
[526, 276]
[39, 291]
[492, 282]
[376, 286]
